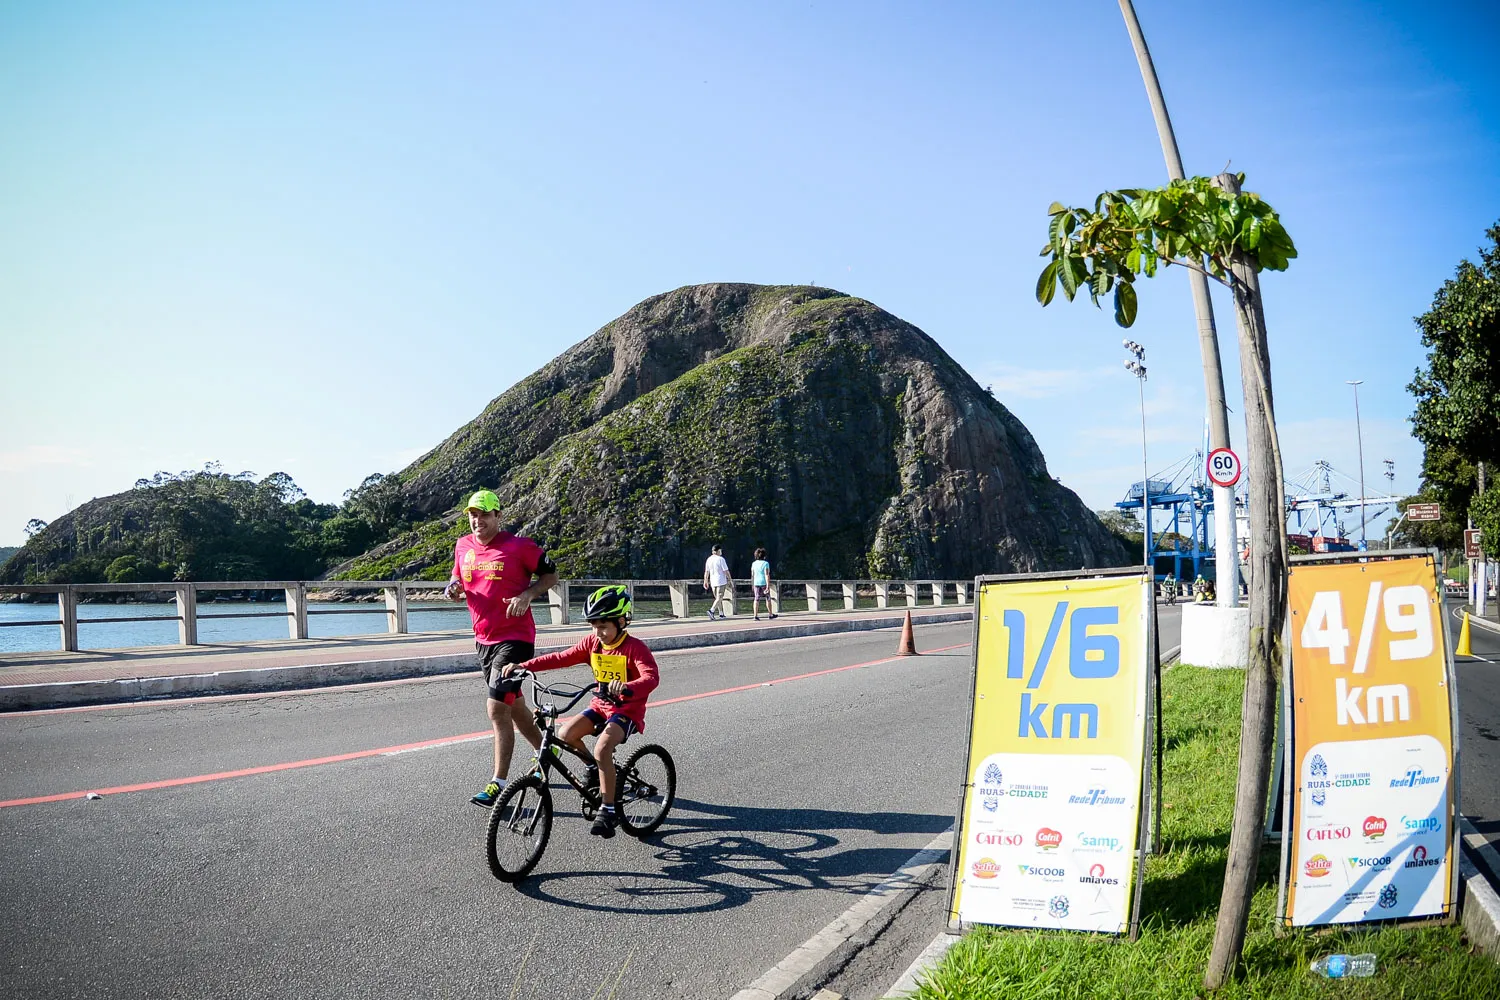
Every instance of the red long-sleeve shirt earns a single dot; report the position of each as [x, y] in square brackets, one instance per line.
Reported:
[640, 673]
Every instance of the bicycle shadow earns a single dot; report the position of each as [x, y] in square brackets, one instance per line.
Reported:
[715, 856]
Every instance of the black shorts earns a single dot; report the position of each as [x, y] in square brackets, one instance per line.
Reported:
[597, 719]
[492, 658]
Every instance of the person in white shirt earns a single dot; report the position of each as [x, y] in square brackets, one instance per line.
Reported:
[760, 584]
[717, 580]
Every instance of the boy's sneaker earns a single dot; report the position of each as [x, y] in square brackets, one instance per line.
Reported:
[605, 823]
[487, 797]
[773, 616]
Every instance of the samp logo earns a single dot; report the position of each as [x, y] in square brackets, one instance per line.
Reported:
[1374, 827]
[1317, 866]
[1048, 839]
[985, 868]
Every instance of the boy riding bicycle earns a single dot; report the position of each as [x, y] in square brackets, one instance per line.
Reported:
[625, 669]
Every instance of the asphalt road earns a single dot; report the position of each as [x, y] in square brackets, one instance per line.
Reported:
[1479, 732]
[364, 877]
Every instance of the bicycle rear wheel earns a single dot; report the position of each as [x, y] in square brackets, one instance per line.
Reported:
[645, 788]
[520, 823]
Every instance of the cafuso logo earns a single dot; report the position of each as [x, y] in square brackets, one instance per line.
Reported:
[1419, 858]
[1328, 832]
[1374, 827]
[986, 868]
[1317, 866]
[1047, 838]
[1001, 838]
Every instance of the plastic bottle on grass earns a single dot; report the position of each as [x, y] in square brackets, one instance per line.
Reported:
[1345, 966]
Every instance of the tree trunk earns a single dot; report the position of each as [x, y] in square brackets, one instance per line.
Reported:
[1268, 588]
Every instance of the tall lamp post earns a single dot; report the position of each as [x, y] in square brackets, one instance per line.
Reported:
[1360, 437]
[1137, 368]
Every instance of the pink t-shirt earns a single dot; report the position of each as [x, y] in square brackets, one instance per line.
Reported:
[492, 574]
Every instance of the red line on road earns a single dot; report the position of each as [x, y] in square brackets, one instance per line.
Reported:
[379, 751]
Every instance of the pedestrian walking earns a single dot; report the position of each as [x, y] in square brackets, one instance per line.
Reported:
[760, 584]
[719, 583]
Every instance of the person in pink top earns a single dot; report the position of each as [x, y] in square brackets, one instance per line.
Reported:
[626, 670]
[493, 571]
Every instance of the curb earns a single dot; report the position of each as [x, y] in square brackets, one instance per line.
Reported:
[930, 957]
[69, 694]
[829, 949]
[1480, 906]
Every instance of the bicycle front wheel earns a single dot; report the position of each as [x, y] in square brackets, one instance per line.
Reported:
[520, 823]
[645, 788]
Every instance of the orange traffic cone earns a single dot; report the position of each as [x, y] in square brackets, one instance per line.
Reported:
[908, 645]
[1463, 648]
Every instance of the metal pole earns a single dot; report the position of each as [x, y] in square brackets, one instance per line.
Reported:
[1226, 548]
[1360, 437]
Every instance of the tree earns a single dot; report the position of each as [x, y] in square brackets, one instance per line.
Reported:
[1236, 235]
[35, 527]
[1458, 393]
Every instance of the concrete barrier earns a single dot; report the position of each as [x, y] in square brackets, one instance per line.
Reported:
[1215, 637]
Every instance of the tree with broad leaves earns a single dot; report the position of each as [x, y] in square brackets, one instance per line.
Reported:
[1458, 393]
[1208, 225]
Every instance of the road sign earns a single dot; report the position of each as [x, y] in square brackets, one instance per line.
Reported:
[1471, 544]
[1223, 467]
[1424, 512]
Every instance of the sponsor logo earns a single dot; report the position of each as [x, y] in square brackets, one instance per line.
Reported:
[993, 775]
[1415, 778]
[1027, 791]
[1374, 827]
[1096, 797]
[1096, 876]
[1057, 906]
[990, 805]
[986, 868]
[1328, 832]
[1319, 766]
[1088, 841]
[991, 786]
[1370, 862]
[1319, 798]
[1425, 824]
[1419, 858]
[1388, 897]
[1047, 838]
[1043, 872]
[999, 838]
[1357, 779]
[1317, 866]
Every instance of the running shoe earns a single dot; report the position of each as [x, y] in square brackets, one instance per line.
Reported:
[605, 823]
[487, 797]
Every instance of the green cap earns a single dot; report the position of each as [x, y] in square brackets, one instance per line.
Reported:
[483, 500]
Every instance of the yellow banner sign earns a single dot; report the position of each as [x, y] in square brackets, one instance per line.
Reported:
[1372, 743]
[1048, 826]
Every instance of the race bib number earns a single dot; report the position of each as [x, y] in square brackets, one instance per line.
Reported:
[608, 667]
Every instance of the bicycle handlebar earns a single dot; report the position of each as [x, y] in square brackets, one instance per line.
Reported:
[574, 696]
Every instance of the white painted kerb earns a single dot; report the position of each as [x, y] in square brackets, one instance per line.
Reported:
[1215, 637]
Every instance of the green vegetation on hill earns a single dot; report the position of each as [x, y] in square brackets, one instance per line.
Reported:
[205, 525]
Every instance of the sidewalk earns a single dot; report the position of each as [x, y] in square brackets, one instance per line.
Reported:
[31, 681]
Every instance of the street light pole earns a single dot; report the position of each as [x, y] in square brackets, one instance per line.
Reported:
[1138, 369]
[1136, 366]
[1360, 437]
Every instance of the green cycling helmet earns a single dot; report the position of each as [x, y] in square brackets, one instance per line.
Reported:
[612, 601]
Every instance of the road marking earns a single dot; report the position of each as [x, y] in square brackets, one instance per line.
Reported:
[407, 747]
[1459, 614]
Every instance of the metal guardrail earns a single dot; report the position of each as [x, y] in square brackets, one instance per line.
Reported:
[820, 595]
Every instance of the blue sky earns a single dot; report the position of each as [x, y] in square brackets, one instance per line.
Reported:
[317, 238]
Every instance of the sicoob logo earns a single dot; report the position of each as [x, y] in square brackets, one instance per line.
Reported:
[1317, 866]
[1047, 838]
[986, 868]
[1374, 827]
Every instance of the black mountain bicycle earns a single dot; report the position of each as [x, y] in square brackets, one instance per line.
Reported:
[521, 819]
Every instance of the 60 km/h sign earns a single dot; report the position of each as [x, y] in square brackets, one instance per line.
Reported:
[1223, 467]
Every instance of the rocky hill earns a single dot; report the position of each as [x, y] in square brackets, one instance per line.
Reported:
[839, 437]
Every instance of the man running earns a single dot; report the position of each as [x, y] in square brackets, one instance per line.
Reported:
[493, 570]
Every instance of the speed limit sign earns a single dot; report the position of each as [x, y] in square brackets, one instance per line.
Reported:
[1223, 467]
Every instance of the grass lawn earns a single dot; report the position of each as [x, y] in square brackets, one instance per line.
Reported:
[1181, 899]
